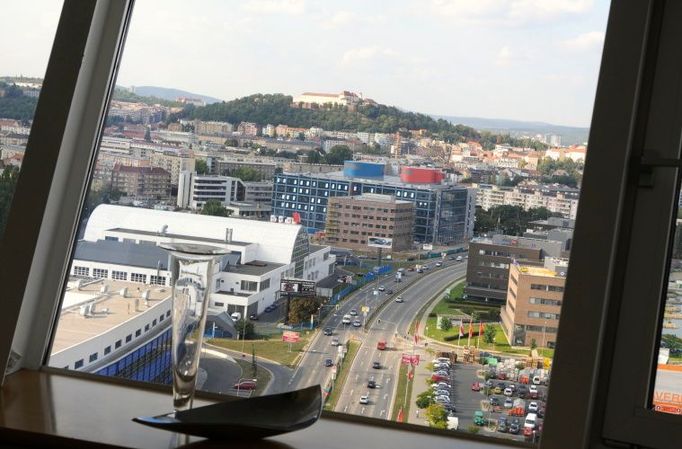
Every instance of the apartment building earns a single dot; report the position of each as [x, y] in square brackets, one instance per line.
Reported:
[558, 199]
[141, 182]
[352, 221]
[173, 162]
[533, 303]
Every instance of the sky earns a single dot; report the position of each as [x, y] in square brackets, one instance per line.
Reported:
[515, 59]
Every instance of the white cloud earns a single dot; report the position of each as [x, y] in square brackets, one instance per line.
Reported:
[356, 55]
[508, 11]
[585, 41]
[340, 18]
[292, 7]
[504, 57]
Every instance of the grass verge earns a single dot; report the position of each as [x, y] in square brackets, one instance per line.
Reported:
[400, 402]
[342, 375]
[275, 350]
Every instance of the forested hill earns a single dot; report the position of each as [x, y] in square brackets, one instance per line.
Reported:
[276, 109]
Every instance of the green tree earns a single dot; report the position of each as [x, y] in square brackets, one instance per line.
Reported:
[314, 157]
[215, 208]
[338, 154]
[533, 344]
[489, 334]
[424, 399]
[148, 134]
[445, 323]
[673, 342]
[302, 308]
[247, 174]
[104, 195]
[437, 416]
[254, 365]
[245, 328]
[200, 166]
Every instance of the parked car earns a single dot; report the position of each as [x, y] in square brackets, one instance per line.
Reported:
[328, 362]
[479, 420]
[328, 331]
[476, 386]
[442, 399]
[508, 391]
[502, 424]
[253, 317]
[494, 401]
[442, 385]
[439, 378]
[514, 427]
[246, 384]
[533, 392]
[497, 390]
[508, 403]
[268, 309]
[442, 392]
[533, 407]
[443, 373]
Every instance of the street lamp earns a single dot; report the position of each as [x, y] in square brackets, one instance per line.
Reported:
[544, 326]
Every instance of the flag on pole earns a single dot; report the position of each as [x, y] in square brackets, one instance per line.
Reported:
[480, 328]
[400, 416]
[471, 332]
[416, 339]
[461, 330]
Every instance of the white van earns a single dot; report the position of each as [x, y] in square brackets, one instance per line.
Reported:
[236, 316]
[530, 421]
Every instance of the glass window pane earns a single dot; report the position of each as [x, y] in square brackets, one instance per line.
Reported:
[200, 127]
[667, 396]
[25, 44]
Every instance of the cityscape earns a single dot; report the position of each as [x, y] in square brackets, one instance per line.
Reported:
[431, 256]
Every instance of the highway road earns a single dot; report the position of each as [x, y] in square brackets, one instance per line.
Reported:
[311, 370]
[392, 325]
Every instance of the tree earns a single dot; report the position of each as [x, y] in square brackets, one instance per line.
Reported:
[254, 365]
[215, 208]
[8, 182]
[424, 399]
[673, 342]
[533, 344]
[148, 134]
[301, 309]
[314, 157]
[201, 167]
[338, 154]
[489, 334]
[437, 416]
[247, 174]
[245, 328]
[445, 323]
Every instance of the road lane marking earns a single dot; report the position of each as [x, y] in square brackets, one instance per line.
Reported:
[382, 413]
[345, 409]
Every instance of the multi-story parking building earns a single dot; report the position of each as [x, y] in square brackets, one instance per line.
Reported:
[533, 307]
[353, 220]
[444, 213]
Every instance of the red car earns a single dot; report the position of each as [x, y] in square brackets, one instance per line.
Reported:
[245, 385]
[438, 378]
[476, 386]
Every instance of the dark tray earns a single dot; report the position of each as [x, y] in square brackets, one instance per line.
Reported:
[243, 418]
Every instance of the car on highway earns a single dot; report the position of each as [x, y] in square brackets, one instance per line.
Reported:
[357, 323]
[399, 299]
[381, 288]
[328, 362]
[371, 383]
[458, 259]
[346, 319]
[439, 264]
[335, 341]
[353, 312]
[381, 345]
[476, 386]
[420, 271]
[376, 365]
[389, 292]
[246, 384]
[533, 407]
[328, 331]
[268, 309]
[364, 399]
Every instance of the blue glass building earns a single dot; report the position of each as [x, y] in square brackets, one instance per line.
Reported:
[444, 213]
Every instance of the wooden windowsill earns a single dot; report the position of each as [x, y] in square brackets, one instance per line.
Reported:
[51, 409]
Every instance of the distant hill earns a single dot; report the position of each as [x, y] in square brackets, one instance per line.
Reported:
[569, 134]
[171, 94]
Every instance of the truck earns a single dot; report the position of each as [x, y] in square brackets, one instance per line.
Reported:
[381, 345]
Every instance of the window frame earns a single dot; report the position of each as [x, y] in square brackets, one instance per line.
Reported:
[71, 111]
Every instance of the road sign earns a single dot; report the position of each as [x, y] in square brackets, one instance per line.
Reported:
[291, 336]
[365, 309]
[410, 359]
[297, 287]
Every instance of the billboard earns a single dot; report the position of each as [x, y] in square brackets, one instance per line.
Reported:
[298, 287]
[380, 242]
[290, 336]
[427, 246]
